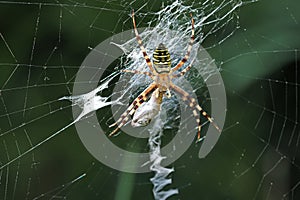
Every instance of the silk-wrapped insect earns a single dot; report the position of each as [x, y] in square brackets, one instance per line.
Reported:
[148, 110]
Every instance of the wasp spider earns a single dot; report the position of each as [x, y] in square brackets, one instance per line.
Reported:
[162, 74]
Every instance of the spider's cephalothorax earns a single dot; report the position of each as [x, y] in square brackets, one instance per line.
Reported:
[162, 59]
[162, 74]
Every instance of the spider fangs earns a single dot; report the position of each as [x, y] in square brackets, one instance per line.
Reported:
[162, 74]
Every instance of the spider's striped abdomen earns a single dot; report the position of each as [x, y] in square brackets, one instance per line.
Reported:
[162, 59]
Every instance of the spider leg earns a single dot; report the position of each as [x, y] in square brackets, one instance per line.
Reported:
[137, 72]
[187, 55]
[182, 72]
[132, 108]
[140, 42]
[195, 106]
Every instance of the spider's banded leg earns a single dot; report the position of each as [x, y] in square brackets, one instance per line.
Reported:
[193, 104]
[137, 72]
[186, 97]
[187, 55]
[183, 71]
[139, 40]
[133, 107]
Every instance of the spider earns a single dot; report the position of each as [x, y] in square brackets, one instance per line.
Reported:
[162, 74]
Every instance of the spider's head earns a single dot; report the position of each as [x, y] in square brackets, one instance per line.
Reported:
[162, 59]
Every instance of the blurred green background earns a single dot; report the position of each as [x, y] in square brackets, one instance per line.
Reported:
[43, 44]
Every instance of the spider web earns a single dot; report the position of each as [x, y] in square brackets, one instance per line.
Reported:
[255, 45]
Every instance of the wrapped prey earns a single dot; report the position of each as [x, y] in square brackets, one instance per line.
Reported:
[148, 110]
